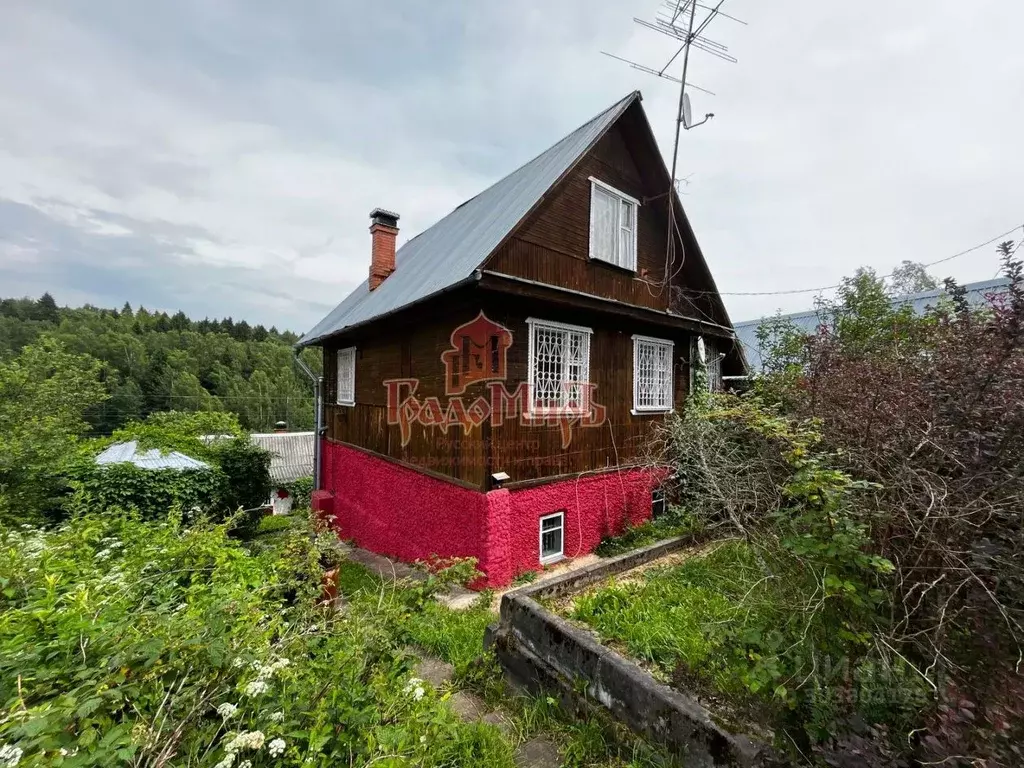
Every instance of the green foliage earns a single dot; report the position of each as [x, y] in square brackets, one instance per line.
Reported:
[44, 393]
[239, 477]
[149, 492]
[275, 523]
[154, 362]
[676, 522]
[301, 491]
[148, 643]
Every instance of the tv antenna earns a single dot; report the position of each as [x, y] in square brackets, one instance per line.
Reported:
[678, 19]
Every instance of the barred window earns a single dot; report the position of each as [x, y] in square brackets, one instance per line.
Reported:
[559, 367]
[347, 376]
[652, 374]
[612, 225]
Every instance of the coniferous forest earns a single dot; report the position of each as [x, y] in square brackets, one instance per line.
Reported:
[153, 361]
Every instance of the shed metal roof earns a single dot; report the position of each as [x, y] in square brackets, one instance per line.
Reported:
[291, 454]
[129, 453]
[809, 321]
[448, 252]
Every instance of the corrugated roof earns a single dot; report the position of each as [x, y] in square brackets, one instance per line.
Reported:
[291, 454]
[448, 252]
[128, 453]
[810, 320]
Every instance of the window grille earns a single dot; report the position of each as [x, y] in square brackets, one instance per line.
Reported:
[347, 376]
[652, 374]
[612, 225]
[559, 367]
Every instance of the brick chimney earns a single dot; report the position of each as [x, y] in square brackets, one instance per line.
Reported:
[384, 231]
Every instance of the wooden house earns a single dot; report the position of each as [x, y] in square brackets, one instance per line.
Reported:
[491, 387]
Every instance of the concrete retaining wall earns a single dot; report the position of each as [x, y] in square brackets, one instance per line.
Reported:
[541, 650]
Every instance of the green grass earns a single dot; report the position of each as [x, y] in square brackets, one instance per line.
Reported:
[457, 637]
[675, 523]
[677, 617]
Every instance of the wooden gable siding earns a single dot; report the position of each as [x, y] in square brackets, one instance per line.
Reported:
[553, 245]
[526, 452]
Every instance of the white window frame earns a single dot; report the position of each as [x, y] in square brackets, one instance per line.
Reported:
[638, 341]
[350, 388]
[624, 200]
[584, 333]
[712, 364]
[554, 557]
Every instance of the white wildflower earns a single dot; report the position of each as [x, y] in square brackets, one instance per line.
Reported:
[255, 688]
[103, 554]
[423, 739]
[227, 710]
[10, 755]
[238, 662]
[245, 740]
[227, 762]
[276, 747]
[245, 764]
[277, 717]
[417, 692]
[413, 682]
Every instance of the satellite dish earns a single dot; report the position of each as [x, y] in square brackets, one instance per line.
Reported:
[702, 354]
[687, 111]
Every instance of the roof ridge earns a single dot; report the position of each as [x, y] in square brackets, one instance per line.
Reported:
[449, 250]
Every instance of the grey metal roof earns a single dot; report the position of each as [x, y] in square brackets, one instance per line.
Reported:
[129, 453]
[810, 320]
[291, 454]
[449, 251]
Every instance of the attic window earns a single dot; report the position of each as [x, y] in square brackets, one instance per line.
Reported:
[347, 376]
[613, 217]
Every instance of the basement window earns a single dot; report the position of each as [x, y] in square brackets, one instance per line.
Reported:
[559, 367]
[612, 225]
[552, 538]
[658, 505]
[347, 376]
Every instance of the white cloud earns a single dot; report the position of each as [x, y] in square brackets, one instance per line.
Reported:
[238, 139]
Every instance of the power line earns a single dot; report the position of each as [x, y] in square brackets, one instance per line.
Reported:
[972, 249]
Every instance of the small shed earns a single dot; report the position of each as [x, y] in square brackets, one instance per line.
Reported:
[291, 458]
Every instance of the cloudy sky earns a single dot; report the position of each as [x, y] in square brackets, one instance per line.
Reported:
[221, 156]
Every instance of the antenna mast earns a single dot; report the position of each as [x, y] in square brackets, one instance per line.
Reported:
[666, 23]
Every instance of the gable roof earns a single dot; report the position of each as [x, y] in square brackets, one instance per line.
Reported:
[291, 454]
[129, 453]
[809, 320]
[447, 253]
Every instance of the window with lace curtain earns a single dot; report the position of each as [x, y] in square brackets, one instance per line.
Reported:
[612, 225]
[347, 376]
[652, 374]
[559, 367]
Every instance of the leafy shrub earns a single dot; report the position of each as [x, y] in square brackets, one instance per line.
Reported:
[150, 492]
[124, 641]
[44, 394]
[301, 491]
[275, 523]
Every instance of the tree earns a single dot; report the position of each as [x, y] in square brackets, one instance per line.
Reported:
[911, 277]
[44, 394]
[46, 309]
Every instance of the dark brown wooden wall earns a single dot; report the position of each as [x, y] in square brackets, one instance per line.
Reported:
[552, 246]
[525, 452]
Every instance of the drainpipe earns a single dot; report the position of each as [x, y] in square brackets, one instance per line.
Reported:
[318, 388]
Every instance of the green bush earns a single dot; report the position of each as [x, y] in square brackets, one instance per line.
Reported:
[148, 643]
[150, 492]
[302, 492]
